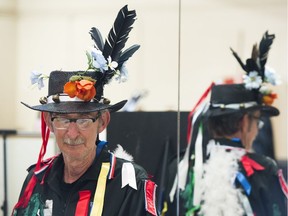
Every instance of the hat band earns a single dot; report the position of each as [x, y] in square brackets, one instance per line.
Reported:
[63, 98]
[236, 105]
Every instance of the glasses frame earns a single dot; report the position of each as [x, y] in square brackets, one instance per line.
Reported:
[75, 121]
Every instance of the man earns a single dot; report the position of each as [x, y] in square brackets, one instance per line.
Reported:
[85, 178]
[225, 177]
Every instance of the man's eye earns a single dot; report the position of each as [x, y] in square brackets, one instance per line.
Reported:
[82, 121]
[64, 120]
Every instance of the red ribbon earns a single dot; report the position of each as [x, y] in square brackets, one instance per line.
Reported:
[25, 198]
[193, 110]
[45, 137]
[250, 165]
[82, 208]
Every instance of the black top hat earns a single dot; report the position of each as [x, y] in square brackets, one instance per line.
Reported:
[253, 94]
[82, 91]
[230, 98]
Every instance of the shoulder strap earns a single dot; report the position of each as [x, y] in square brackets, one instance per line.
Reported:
[100, 146]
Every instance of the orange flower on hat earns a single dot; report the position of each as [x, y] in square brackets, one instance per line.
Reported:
[269, 98]
[83, 89]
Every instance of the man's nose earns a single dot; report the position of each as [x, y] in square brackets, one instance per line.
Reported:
[73, 130]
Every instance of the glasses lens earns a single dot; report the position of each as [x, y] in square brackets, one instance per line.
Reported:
[83, 124]
[61, 123]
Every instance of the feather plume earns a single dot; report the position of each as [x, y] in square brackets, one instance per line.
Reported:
[118, 35]
[238, 59]
[255, 52]
[127, 54]
[97, 37]
[113, 46]
[252, 64]
[264, 48]
[219, 195]
[119, 152]
[258, 57]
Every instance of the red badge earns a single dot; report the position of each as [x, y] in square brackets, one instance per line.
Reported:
[150, 191]
[283, 183]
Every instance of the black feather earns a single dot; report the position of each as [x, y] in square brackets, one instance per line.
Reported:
[264, 48]
[127, 54]
[118, 35]
[115, 42]
[239, 60]
[251, 65]
[255, 53]
[97, 37]
[258, 57]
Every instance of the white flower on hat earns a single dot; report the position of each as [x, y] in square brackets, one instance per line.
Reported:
[252, 80]
[265, 90]
[112, 64]
[37, 78]
[271, 76]
[99, 62]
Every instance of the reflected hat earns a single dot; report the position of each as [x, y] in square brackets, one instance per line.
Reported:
[83, 91]
[229, 98]
[253, 93]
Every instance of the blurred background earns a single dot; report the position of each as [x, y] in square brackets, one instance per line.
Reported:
[53, 35]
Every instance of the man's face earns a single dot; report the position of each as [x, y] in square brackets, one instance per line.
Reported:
[251, 128]
[76, 134]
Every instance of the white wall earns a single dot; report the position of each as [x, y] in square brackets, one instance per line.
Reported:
[51, 35]
[22, 151]
[8, 63]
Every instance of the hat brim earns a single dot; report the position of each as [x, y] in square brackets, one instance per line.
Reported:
[76, 107]
[268, 111]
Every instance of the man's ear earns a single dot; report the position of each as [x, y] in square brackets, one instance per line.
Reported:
[47, 119]
[104, 121]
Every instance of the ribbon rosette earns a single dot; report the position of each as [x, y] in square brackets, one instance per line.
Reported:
[250, 165]
[83, 89]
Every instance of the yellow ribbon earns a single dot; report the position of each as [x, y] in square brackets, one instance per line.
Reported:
[98, 201]
[165, 209]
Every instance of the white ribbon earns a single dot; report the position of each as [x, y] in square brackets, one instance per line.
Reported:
[246, 204]
[128, 175]
[236, 105]
[183, 170]
[184, 163]
[64, 98]
[198, 168]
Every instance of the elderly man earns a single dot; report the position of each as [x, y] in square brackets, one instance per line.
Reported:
[85, 178]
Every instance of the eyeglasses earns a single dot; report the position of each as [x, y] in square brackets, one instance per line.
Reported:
[260, 123]
[62, 123]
